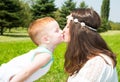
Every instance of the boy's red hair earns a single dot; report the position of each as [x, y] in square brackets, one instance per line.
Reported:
[37, 27]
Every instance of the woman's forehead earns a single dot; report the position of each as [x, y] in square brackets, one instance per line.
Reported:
[69, 16]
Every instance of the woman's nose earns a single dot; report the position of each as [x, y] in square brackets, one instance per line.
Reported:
[63, 29]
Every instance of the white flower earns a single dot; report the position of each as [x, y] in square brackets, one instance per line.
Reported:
[82, 24]
[76, 20]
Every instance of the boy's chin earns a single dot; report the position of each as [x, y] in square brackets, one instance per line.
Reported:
[59, 42]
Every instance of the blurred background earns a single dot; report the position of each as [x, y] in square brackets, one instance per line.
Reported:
[16, 15]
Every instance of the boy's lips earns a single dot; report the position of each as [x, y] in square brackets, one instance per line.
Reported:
[63, 36]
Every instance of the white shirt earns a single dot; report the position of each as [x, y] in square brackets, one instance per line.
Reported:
[96, 70]
[19, 63]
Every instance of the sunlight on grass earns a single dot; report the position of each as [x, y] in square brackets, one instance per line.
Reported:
[18, 34]
[111, 32]
[9, 38]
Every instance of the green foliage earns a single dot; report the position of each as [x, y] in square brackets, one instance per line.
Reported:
[83, 5]
[65, 10]
[42, 8]
[104, 26]
[7, 16]
[25, 15]
[13, 14]
[115, 26]
[105, 8]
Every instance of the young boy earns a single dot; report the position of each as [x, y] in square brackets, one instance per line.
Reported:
[46, 34]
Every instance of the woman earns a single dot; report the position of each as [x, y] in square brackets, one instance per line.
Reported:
[87, 58]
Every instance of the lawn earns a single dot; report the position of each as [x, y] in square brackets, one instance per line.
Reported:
[14, 44]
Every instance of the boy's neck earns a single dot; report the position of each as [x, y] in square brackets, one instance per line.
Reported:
[49, 47]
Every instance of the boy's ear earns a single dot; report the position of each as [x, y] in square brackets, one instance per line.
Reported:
[45, 39]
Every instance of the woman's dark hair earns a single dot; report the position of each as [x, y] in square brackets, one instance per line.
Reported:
[84, 42]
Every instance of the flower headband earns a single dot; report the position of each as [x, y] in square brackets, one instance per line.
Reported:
[82, 23]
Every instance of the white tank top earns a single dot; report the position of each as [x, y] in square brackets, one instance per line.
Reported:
[18, 63]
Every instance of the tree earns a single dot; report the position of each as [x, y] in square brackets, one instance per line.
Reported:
[105, 8]
[65, 10]
[83, 5]
[7, 15]
[25, 14]
[42, 8]
[11, 14]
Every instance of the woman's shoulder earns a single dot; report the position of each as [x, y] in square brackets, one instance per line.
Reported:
[92, 69]
[96, 59]
[100, 61]
[94, 63]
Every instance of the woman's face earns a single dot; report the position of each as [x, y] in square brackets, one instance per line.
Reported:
[66, 35]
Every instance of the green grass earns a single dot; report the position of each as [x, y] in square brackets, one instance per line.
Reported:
[113, 40]
[14, 44]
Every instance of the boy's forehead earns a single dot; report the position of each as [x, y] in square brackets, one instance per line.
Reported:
[51, 25]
